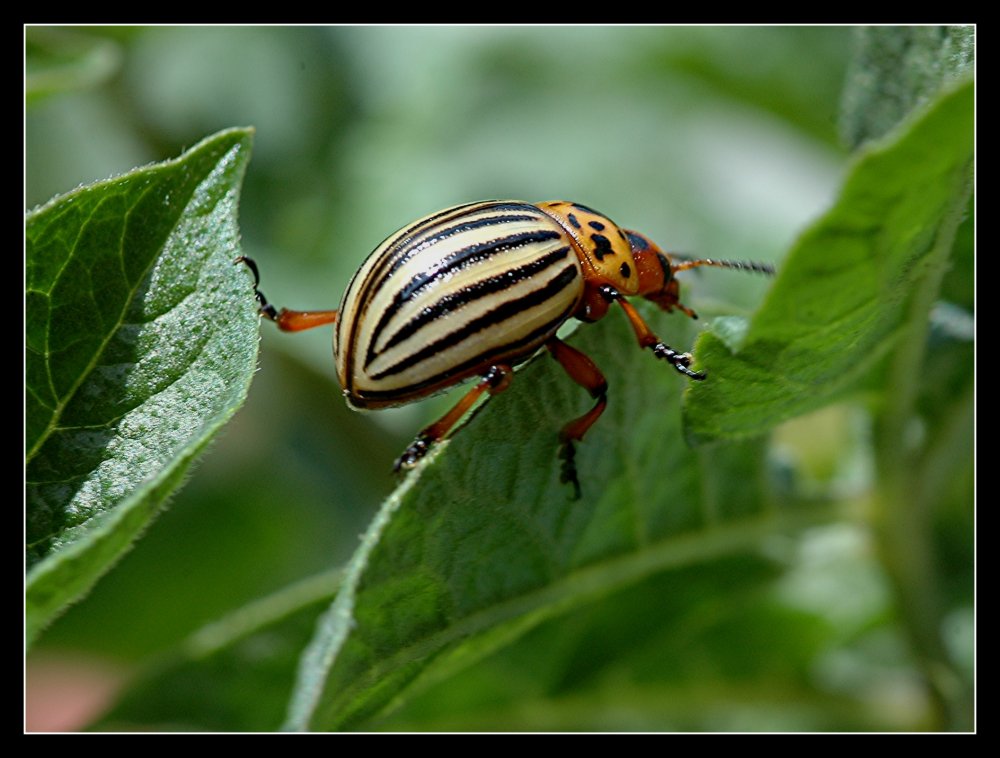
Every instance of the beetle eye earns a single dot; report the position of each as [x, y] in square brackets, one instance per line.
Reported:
[637, 242]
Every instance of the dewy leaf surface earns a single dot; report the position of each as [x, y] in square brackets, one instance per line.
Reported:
[840, 303]
[141, 340]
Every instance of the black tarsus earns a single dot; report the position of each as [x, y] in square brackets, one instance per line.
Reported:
[265, 308]
[567, 452]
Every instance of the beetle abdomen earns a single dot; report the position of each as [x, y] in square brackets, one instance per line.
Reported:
[445, 297]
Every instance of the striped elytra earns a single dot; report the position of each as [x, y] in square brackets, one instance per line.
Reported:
[440, 298]
[474, 290]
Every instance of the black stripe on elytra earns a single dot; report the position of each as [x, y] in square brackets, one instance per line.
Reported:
[401, 236]
[405, 235]
[504, 352]
[419, 236]
[448, 265]
[459, 298]
[499, 314]
[421, 243]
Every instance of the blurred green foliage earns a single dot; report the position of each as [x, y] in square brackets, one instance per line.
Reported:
[713, 141]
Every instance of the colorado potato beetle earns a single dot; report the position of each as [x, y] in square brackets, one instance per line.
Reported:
[473, 290]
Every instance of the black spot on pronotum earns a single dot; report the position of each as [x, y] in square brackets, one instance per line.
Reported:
[602, 246]
[626, 272]
[596, 225]
[573, 221]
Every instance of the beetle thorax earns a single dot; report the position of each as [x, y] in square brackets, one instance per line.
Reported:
[603, 247]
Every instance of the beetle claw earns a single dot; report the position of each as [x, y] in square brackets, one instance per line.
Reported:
[412, 455]
[567, 452]
[680, 361]
[265, 309]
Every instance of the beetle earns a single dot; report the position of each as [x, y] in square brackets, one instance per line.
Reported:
[474, 290]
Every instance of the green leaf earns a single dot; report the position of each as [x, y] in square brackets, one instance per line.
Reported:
[707, 647]
[141, 340]
[896, 69]
[484, 542]
[841, 303]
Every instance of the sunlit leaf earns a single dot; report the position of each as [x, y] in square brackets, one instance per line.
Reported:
[141, 340]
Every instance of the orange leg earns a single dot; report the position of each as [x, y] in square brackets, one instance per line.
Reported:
[584, 372]
[494, 381]
[287, 321]
[680, 361]
[296, 321]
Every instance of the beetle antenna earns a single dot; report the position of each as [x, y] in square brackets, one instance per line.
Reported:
[752, 266]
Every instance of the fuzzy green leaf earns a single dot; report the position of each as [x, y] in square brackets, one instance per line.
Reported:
[896, 69]
[840, 303]
[141, 340]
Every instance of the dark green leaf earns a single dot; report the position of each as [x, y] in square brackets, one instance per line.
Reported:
[840, 303]
[714, 651]
[141, 340]
[485, 542]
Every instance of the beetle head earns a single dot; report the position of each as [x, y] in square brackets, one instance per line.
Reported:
[656, 271]
[656, 274]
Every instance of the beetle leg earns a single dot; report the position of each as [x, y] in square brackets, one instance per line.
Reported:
[296, 321]
[584, 372]
[287, 321]
[646, 337]
[496, 379]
